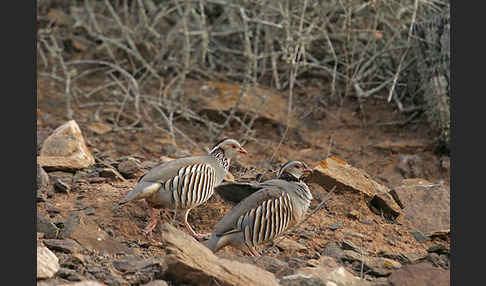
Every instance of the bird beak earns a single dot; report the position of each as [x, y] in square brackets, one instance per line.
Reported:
[308, 171]
[242, 151]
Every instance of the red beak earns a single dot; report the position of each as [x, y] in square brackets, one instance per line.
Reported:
[242, 151]
[308, 170]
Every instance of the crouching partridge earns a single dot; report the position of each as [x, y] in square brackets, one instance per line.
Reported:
[184, 183]
[272, 207]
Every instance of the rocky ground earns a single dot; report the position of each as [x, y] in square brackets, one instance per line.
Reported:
[381, 213]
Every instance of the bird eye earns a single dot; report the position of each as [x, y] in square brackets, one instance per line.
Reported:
[297, 166]
[234, 146]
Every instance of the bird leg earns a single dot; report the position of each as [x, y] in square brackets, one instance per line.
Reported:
[191, 231]
[253, 252]
[152, 221]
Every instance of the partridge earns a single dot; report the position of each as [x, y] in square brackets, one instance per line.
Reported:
[184, 183]
[271, 208]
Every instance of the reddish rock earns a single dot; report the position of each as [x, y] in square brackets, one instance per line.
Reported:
[421, 274]
[336, 172]
[426, 205]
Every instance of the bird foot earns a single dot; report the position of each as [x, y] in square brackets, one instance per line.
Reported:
[201, 235]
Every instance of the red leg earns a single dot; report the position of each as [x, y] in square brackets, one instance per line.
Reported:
[191, 231]
[152, 221]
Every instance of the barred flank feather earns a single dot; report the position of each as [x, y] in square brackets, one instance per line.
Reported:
[192, 186]
[267, 221]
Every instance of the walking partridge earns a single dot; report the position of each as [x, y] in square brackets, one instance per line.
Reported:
[184, 183]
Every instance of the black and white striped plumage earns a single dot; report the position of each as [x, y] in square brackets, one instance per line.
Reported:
[184, 183]
[273, 207]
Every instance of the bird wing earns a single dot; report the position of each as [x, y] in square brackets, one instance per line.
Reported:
[234, 193]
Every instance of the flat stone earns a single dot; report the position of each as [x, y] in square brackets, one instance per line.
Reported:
[84, 283]
[132, 264]
[61, 186]
[330, 273]
[426, 205]
[69, 274]
[271, 264]
[290, 245]
[191, 262]
[377, 266]
[65, 149]
[86, 232]
[420, 274]
[336, 225]
[349, 245]
[346, 178]
[413, 258]
[156, 283]
[63, 245]
[438, 248]
[47, 263]
[111, 173]
[129, 167]
[419, 236]
[332, 249]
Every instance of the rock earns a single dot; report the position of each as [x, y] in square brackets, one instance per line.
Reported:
[84, 283]
[271, 264]
[377, 266]
[413, 258]
[156, 283]
[438, 248]
[42, 181]
[349, 245]
[61, 186]
[290, 245]
[132, 264]
[63, 245]
[336, 172]
[426, 205]
[69, 274]
[191, 262]
[333, 250]
[272, 107]
[302, 280]
[47, 263]
[65, 149]
[45, 226]
[86, 232]
[111, 173]
[331, 273]
[129, 167]
[421, 274]
[419, 236]
[336, 225]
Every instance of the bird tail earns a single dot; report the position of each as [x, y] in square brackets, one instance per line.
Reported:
[215, 243]
[142, 190]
